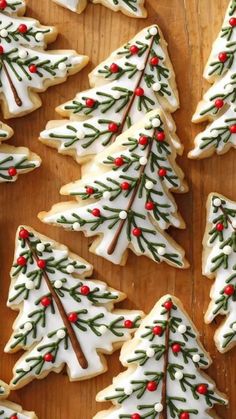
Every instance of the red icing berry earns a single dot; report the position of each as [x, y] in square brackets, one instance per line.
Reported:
[96, 212]
[162, 172]
[114, 68]
[119, 161]
[157, 330]
[73, 317]
[22, 28]
[137, 232]
[48, 357]
[232, 21]
[1, 50]
[135, 416]
[168, 305]
[12, 171]
[128, 324]
[160, 136]
[149, 205]
[184, 415]
[176, 348]
[90, 103]
[125, 186]
[219, 103]
[219, 227]
[41, 263]
[14, 417]
[89, 190]
[222, 57]
[3, 4]
[229, 290]
[233, 129]
[85, 290]
[23, 234]
[202, 389]
[21, 261]
[113, 127]
[139, 91]
[151, 386]
[33, 68]
[154, 61]
[45, 301]
[134, 49]
[143, 140]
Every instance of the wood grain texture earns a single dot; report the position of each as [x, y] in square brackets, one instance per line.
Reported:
[189, 26]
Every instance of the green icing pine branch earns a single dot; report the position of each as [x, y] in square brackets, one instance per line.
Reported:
[24, 65]
[134, 80]
[64, 319]
[9, 410]
[219, 262]
[128, 204]
[218, 105]
[169, 384]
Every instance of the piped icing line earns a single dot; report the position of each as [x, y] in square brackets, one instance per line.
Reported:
[9, 409]
[219, 262]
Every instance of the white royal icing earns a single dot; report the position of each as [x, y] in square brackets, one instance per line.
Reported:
[8, 409]
[134, 8]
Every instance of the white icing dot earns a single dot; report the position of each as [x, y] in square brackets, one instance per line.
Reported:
[123, 215]
[26, 367]
[234, 223]
[116, 95]
[102, 329]
[61, 334]
[150, 352]
[179, 375]
[58, 284]
[70, 269]
[62, 66]
[161, 251]
[143, 161]
[153, 31]
[80, 134]
[156, 122]
[140, 66]
[158, 407]
[229, 88]
[227, 250]
[106, 194]
[149, 184]
[196, 358]
[182, 328]
[28, 326]
[39, 36]
[234, 327]
[3, 33]
[156, 87]
[217, 202]
[76, 226]
[40, 247]
[128, 390]
[23, 54]
[29, 285]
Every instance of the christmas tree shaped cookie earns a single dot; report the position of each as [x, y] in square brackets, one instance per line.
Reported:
[133, 8]
[127, 203]
[219, 262]
[8, 409]
[219, 102]
[65, 319]
[163, 377]
[135, 79]
[14, 160]
[26, 68]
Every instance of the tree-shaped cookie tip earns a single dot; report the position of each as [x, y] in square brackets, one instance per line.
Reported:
[219, 262]
[25, 66]
[128, 203]
[163, 377]
[11, 410]
[65, 319]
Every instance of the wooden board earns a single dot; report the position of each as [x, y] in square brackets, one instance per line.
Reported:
[189, 27]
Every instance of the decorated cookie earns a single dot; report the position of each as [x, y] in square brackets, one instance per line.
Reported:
[11, 410]
[133, 8]
[65, 319]
[218, 104]
[14, 160]
[163, 377]
[135, 79]
[219, 262]
[26, 68]
[127, 203]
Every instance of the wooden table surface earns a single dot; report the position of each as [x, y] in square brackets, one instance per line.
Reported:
[189, 27]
